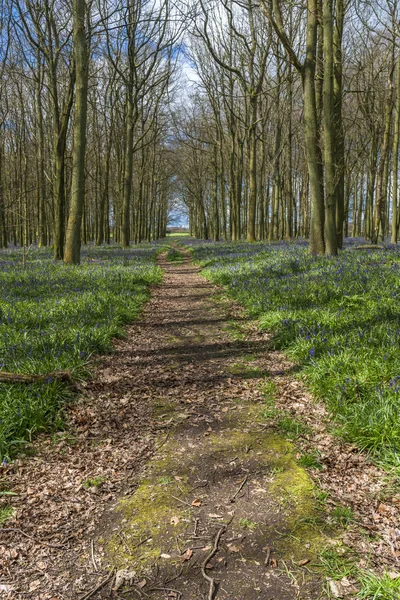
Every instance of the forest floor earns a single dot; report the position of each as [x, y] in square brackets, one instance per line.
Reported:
[174, 480]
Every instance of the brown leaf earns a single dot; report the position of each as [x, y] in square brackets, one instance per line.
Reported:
[273, 563]
[196, 502]
[187, 555]
[335, 588]
[303, 562]
[142, 584]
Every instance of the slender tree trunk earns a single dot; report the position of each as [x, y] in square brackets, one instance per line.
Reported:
[73, 238]
[251, 230]
[395, 157]
[329, 133]
[379, 216]
[338, 120]
[128, 171]
[317, 242]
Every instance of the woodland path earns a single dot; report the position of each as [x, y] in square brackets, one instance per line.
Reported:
[172, 453]
[220, 480]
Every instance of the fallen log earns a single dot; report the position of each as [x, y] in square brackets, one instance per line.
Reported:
[28, 379]
[46, 378]
[369, 247]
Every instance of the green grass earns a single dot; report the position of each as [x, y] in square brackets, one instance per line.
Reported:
[6, 513]
[337, 563]
[247, 523]
[338, 319]
[55, 317]
[343, 515]
[311, 461]
[374, 587]
[173, 255]
[291, 428]
[93, 482]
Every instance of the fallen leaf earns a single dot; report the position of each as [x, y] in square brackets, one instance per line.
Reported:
[187, 555]
[142, 584]
[174, 520]
[235, 548]
[122, 577]
[196, 502]
[303, 562]
[34, 585]
[273, 563]
[335, 588]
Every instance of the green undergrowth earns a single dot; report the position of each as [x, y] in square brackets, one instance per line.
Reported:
[374, 587]
[55, 317]
[339, 563]
[337, 318]
[174, 255]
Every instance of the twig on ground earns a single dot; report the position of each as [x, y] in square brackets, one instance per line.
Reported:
[241, 486]
[98, 587]
[163, 442]
[196, 524]
[165, 589]
[92, 555]
[206, 561]
[175, 577]
[267, 558]
[183, 501]
[201, 485]
[141, 543]
[30, 537]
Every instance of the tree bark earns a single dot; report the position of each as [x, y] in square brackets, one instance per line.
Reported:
[73, 238]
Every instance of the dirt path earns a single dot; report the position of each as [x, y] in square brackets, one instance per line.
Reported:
[221, 480]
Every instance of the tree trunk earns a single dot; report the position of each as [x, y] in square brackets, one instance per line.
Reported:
[338, 121]
[251, 230]
[73, 238]
[329, 133]
[395, 157]
[313, 153]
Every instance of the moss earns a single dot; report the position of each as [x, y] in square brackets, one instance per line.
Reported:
[152, 512]
[245, 371]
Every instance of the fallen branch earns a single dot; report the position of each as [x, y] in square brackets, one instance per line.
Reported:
[267, 558]
[98, 587]
[207, 560]
[22, 378]
[165, 589]
[241, 486]
[30, 537]
[369, 247]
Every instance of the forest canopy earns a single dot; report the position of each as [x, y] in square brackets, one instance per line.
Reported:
[264, 119]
